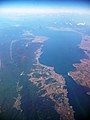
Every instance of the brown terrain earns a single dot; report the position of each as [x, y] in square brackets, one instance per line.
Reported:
[17, 103]
[51, 85]
[82, 73]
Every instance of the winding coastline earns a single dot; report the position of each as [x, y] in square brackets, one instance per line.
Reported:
[82, 73]
[52, 85]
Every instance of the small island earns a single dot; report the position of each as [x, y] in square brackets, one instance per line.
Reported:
[17, 103]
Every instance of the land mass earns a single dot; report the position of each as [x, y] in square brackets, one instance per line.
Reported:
[82, 73]
[51, 85]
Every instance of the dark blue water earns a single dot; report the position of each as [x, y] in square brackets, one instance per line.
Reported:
[33, 105]
[61, 51]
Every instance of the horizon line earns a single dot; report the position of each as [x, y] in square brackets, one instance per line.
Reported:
[42, 10]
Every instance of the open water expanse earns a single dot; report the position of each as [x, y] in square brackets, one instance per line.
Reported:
[61, 51]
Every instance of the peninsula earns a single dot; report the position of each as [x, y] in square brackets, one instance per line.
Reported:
[82, 73]
[51, 85]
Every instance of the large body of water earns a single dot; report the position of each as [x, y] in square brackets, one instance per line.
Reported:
[61, 51]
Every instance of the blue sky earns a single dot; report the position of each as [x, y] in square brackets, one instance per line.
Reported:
[58, 3]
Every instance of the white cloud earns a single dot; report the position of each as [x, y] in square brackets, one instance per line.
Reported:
[23, 11]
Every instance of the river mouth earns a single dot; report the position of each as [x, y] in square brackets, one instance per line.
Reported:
[62, 51]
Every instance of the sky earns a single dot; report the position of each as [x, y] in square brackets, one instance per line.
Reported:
[46, 2]
[81, 4]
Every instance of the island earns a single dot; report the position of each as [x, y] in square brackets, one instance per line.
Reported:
[17, 103]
